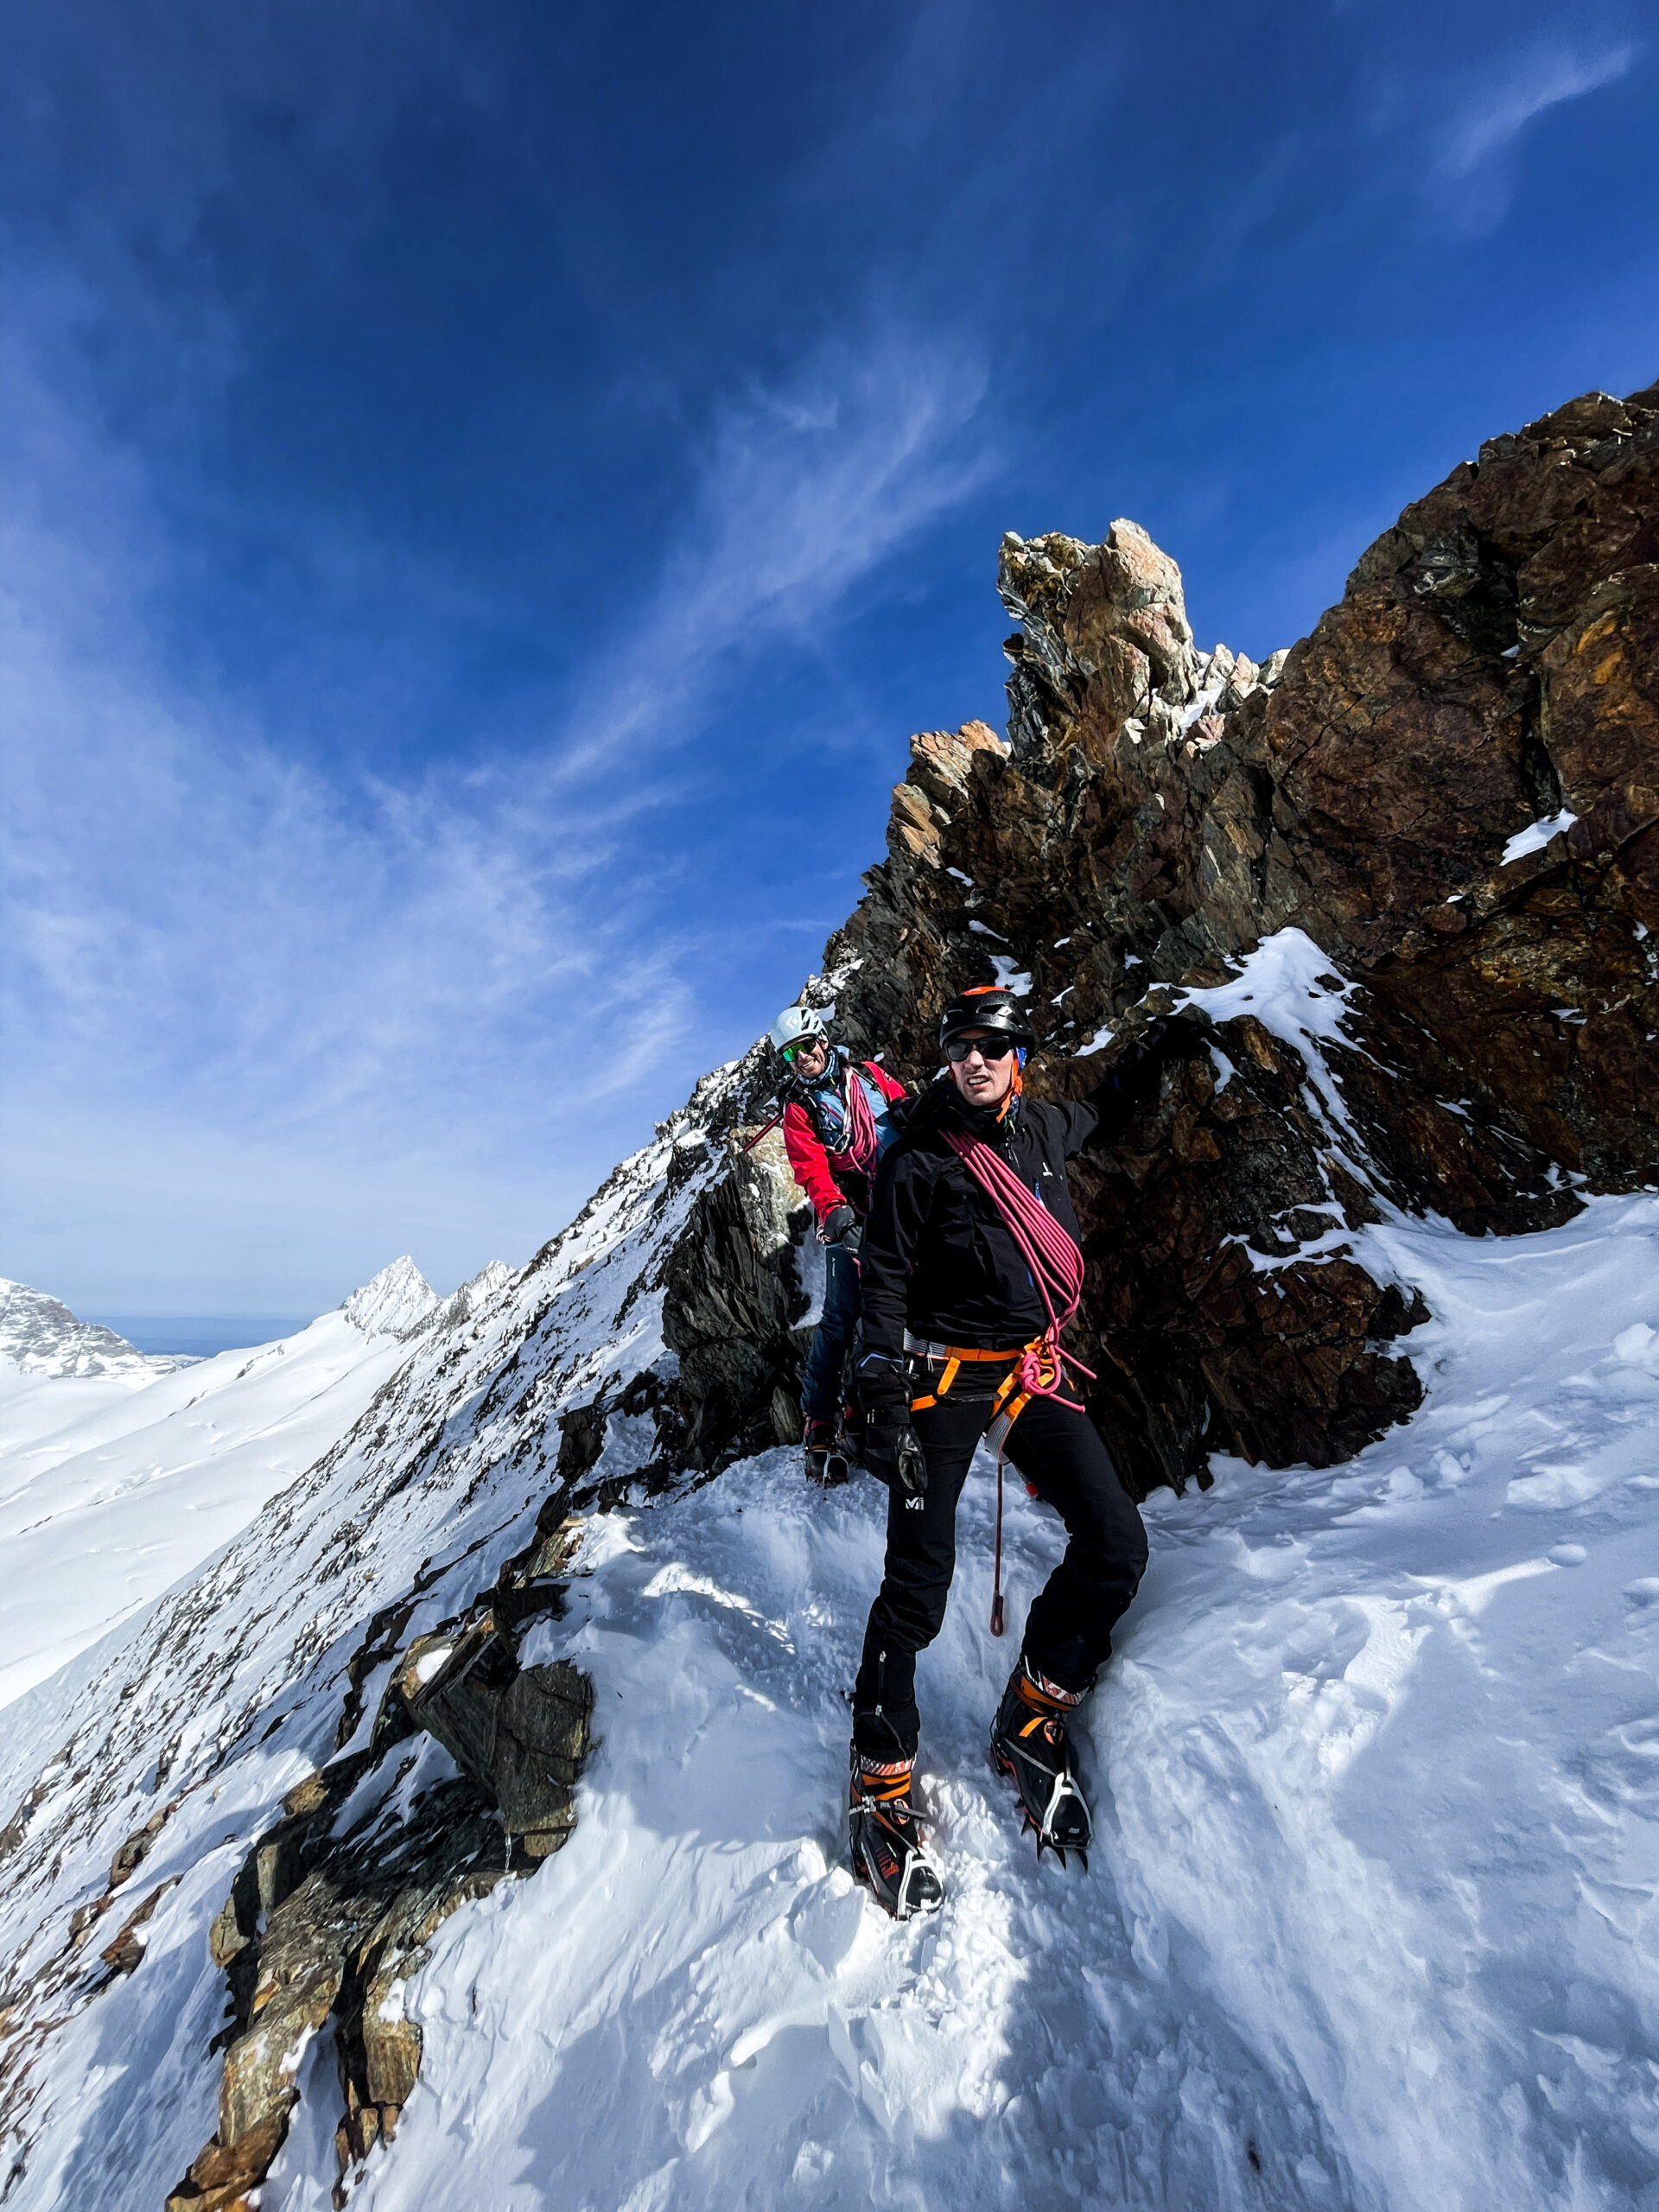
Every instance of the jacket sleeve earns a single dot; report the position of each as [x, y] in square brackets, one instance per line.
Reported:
[808, 1162]
[889, 1086]
[1126, 1085]
[898, 1210]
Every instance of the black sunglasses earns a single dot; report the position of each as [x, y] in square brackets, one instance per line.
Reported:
[988, 1048]
[803, 1045]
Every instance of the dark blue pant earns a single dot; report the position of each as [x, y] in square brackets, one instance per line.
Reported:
[821, 1385]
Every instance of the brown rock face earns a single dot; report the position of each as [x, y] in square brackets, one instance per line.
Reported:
[1157, 814]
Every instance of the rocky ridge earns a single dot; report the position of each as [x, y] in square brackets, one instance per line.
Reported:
[1415, 999]
[1451, 789]
[40, 1337]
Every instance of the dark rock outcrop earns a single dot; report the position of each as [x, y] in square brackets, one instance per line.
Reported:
[732, 1297]
[332, 1910]
[520, 1732]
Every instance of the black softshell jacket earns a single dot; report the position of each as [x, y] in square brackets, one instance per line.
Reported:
[937, 1256]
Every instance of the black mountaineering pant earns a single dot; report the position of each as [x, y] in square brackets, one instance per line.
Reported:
[1069, 1627]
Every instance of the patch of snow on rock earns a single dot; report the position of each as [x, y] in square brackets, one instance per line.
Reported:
[1536, 836]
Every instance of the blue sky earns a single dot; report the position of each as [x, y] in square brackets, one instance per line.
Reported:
[491, 491]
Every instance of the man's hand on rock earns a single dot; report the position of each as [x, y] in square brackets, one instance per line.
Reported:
[1165, 1037]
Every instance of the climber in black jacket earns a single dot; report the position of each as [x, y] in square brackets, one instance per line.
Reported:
[951, 1308]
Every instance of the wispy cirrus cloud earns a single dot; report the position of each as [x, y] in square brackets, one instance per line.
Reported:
[212, 938]
[1472, 173]
[805, 486]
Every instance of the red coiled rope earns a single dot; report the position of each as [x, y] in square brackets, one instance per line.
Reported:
[1055, 1261]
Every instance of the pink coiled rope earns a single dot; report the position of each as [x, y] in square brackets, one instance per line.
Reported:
[1055, 1261]
[863, 1147]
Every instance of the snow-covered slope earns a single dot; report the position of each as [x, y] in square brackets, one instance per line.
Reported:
[1371, 1923]
[113, 1485]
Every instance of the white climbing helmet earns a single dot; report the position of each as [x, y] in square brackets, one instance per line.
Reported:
[793, 1024]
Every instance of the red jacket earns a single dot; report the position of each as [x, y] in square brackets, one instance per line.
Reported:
[809, 1161]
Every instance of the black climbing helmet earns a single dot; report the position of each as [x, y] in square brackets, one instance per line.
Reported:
[988, 1006]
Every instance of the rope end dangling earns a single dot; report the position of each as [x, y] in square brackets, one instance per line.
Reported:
[996, 1570]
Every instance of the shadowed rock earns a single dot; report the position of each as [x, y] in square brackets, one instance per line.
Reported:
[331, 1912]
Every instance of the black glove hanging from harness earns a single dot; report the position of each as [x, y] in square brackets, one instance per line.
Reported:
[893, 1452]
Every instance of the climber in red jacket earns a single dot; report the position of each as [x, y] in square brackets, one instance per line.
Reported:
[837, 1123]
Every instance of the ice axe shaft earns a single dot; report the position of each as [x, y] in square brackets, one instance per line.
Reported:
[765, 1130]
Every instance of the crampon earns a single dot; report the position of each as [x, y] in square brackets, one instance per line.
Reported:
[826, 1459]
[884, 1840]
[1030, 1746]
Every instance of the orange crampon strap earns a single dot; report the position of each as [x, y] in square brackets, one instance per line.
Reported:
[889, 1781]
[1045, 1698]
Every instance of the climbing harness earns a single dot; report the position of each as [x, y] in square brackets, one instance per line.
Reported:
[1037, 1370]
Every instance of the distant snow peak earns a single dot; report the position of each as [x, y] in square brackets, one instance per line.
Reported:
[40, 1337]
[394, 1303]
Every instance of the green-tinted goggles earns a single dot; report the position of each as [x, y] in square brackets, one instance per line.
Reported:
[793, 1052]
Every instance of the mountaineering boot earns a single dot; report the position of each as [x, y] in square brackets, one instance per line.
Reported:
[825, 1454]
[1029, 1743]
[884, 1837]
